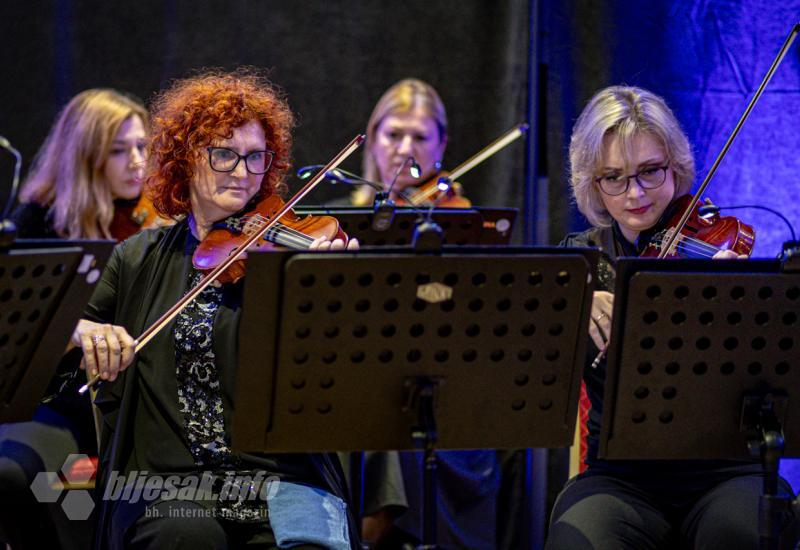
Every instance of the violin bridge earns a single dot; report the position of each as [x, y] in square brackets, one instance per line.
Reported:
[253, 224]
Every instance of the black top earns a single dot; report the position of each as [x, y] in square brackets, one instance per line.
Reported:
[143, 427]
[32, 223]
[680, 475]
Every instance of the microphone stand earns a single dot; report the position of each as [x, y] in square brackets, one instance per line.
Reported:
[383, 206]
[8, 231]
[339, 175]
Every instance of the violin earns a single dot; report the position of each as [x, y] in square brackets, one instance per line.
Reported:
[702, 236]
[237, 253]
[132, 216]
[437, 192]
[442, 190]
[674, 237]
[290, 231]
[683, 236]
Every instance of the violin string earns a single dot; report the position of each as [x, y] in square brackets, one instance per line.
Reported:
[693, 250]
[290, 234]
[689, 239]
[696, 249]
[261, 221]
[694, 246]
[279, 236]
[700, 243]
[707, 251]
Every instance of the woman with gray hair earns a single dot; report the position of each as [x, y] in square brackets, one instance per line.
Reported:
[629, 160]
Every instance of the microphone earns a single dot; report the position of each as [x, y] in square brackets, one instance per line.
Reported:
[414, 169]
[337, 175]
[384, 207]
[8, 231]
[306, 172]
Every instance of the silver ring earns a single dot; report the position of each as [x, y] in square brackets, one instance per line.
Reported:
[97, 338]
[602, 314]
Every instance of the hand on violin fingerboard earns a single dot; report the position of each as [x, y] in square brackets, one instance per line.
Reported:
[322, 243]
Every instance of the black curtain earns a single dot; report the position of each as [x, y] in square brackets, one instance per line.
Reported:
[333, 59]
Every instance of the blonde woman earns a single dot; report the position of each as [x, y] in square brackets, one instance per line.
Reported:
[90, 167]
[629, 160]
[408, 120]
[84, 183]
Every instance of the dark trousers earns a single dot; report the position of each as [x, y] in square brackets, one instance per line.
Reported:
[602, 511]
[26, 449]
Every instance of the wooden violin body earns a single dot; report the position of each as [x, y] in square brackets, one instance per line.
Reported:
[130, 217]
[291, 231]
[430, 193]
[702, 236]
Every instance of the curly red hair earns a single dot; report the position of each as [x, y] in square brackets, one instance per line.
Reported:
[194, 113]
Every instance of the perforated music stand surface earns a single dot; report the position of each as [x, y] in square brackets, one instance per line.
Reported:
[328, 341]
[697, 338]
[461, 226]
[44, 287]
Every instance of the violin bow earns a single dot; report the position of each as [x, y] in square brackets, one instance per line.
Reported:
[164, 320]
[500, 143]
[673, 237]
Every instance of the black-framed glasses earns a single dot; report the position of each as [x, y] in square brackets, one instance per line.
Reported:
[223, 159]
[647, 178]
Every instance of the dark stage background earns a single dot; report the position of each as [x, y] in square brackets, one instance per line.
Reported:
[706, 58]
[334, 59]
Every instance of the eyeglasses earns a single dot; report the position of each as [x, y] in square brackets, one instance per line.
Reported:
[223, 159]
[648, 178]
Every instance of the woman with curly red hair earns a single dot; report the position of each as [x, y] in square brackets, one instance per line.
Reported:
[218, 142]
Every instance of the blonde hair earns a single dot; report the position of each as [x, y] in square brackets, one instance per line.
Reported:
[403, 97]
[67, 172]
[626, 112]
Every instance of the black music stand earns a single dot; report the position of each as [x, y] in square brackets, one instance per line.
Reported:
[390, 349]
[44, 287]
[703, 364]
[461, 226]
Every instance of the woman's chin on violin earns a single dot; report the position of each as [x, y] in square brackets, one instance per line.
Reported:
[637, 185]
[228, 176]
[635, 190]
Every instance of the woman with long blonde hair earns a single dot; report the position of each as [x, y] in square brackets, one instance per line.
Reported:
[92, 157]
[88, 171]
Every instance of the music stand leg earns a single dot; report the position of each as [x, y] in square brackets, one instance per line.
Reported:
[422, 393]
[357, 485]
